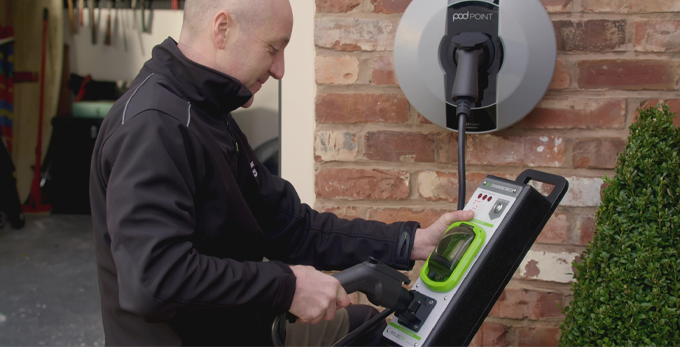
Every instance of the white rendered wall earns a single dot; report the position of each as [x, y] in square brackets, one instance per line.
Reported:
[297, 103]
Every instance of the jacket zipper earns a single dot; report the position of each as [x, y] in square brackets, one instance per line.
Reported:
[231, 132]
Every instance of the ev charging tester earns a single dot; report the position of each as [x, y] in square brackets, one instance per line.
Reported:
[475, 260]
[470, 66]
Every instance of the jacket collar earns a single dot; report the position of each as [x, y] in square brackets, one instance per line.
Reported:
[210, 90]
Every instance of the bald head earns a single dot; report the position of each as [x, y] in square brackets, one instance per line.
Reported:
[247, 14]
[241, 38]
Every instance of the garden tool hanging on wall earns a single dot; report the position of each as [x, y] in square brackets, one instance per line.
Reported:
[93, 25]
[80, 11]
[107, 38]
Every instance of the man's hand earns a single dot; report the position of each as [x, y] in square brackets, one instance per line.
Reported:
[317, 295]
[427, 239]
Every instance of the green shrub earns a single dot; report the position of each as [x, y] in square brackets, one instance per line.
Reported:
[628, 282]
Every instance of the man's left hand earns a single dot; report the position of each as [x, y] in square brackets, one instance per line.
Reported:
[427, 239]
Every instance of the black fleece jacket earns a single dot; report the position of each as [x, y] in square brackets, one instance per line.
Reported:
[184, 214]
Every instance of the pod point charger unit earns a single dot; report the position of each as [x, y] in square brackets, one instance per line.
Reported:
[521, 50]
[476, 66]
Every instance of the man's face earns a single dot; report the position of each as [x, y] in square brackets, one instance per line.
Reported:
[258, 53]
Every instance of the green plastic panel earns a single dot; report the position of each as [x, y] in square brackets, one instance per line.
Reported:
[463, 265]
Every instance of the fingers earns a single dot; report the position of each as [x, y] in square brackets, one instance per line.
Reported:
[327, 314]
[317, 296]
[342, 299]
[330, 312]
[452, 217]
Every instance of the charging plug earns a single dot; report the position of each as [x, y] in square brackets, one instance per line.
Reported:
[470, 55]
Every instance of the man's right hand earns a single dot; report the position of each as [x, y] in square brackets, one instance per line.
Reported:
[317, 295]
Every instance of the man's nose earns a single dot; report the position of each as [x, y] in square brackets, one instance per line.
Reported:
[278, 68]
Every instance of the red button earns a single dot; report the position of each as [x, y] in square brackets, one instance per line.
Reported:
[480, 196]
[489, 198]
[484, 198]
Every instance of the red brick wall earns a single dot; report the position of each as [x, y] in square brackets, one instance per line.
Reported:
[377, 158]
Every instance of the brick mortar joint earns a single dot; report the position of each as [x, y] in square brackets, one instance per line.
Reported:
[371, 164]
[611, 16]
[329, 52]
[577, 212]
[451, 167]
[630, 35]
[588, 94]
[357, 15]
[540, 287]
[631, 55]
[573, 135]
[358, 89]
[602, 93]
[576, 15]
[521, 323]
[556, 248]
[532, 321]
[618, 54]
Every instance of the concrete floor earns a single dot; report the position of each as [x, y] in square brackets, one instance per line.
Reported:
[49, 294]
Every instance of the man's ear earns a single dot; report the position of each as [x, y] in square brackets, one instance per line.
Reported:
[221, 26]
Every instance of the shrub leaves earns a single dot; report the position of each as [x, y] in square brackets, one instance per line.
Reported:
[628, 283]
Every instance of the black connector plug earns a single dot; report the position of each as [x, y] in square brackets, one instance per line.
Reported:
[470, 55]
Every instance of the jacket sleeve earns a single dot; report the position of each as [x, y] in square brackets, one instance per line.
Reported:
[300, 235]
[150, 218]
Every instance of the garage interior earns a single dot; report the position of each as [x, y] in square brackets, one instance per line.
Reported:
[49, 293]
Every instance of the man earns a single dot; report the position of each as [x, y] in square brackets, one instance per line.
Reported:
[184, 213]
